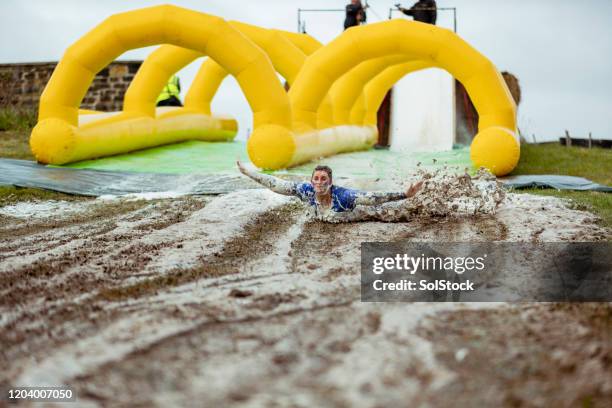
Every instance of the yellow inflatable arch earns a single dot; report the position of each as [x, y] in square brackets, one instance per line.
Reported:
[58, 139]
[140, 97]
[365, 108]
[140, 100]
[345, 94]
[324, 113]
[210, 75]
[495, 146]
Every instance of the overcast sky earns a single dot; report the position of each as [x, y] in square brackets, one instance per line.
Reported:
[561, 50]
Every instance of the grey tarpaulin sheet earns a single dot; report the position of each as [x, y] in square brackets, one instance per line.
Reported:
[22, 173]
[556, 182]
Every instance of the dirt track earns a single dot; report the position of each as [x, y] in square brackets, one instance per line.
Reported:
[241, 300]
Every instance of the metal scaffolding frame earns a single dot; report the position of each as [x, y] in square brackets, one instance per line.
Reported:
[301, 27]
[301, 24]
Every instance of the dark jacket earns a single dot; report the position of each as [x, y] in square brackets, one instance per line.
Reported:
[352, 11]
[419, 14]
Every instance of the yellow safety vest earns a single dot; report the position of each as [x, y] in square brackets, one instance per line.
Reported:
[171, 89]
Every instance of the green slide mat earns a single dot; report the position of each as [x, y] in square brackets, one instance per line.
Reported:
[214, 158]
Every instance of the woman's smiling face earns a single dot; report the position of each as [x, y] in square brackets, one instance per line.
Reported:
[321, 182]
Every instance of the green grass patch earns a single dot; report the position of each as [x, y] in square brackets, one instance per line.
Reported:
[15, 128]
[17, 119]
[594, 164]
[14, 144]
[11, 195]
[552, 158]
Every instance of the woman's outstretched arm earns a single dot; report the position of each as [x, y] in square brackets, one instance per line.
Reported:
[275, 184]
[375, 198]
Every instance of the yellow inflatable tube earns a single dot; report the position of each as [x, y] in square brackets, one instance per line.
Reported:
[139, 102]
[496, 146]
[286, 57]
[58, 139]
[345, 93]
[288, 128]
[365, 109]
[211, 75]
[168, 59]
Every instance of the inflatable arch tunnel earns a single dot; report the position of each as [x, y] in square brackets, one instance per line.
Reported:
[323, 113]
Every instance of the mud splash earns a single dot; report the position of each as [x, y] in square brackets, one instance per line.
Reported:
[445, 193]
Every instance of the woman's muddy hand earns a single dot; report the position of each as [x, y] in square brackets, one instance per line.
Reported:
[413, 189]
[240, 166]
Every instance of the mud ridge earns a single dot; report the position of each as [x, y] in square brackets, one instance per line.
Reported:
[255, 241]
[551, 354]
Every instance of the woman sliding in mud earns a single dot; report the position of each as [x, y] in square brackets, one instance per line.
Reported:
[329, 202]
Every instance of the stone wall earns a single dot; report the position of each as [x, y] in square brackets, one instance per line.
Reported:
[22, 84]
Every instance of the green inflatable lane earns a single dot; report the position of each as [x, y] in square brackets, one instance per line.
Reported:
[215, 158]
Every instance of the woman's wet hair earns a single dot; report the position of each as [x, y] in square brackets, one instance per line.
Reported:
[326, 169]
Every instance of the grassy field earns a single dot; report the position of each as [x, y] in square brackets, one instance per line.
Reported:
[15, 127]
[17, 119]
[552, 158]
[594, 164]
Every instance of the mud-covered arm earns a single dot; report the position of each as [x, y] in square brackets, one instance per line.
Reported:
[378, 198]
[275, 184]
[372, 198]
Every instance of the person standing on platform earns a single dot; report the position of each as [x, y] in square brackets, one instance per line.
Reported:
[355, 14]
[424, 11]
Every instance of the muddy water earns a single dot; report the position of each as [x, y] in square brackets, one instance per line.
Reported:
[445, 193]
[243, 300]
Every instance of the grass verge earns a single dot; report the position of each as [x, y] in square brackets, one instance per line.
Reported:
[17, 119]
[14, 145]
[594, 164]
[15, 128]
[11, 195]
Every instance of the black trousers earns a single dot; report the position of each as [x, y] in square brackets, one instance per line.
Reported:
[171, 101]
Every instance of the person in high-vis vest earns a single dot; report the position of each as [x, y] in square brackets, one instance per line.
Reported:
[170, 95]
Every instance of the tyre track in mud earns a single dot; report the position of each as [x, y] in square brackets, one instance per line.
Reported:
[32, 232]
[257, 238]
[87, 316]
[317, 356]
[553, 354]
[39, 321]
[45, 236]
[231, 339]
[85, 260]
[322, 240]
[300, 338]
[306, 250]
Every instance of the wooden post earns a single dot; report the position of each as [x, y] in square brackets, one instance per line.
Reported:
[383, 120]
[568, 139]
[590, 140]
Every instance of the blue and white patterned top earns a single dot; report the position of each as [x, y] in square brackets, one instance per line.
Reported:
[343, 199]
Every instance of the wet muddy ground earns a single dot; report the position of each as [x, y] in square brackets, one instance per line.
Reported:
[243, 300]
